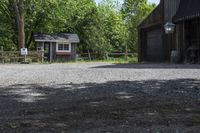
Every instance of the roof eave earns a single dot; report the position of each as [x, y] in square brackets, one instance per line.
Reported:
[57, 41]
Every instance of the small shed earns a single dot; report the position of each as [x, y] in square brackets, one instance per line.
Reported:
[57, 47]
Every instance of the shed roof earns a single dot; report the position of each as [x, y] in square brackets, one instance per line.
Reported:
[60, 37]
[188, 9]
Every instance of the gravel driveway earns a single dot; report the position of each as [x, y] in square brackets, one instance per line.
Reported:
[100, 98]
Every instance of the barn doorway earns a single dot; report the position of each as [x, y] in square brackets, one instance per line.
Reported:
[154, 52]
[192, 41]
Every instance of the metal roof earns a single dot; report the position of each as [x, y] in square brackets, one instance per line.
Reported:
[60, 37]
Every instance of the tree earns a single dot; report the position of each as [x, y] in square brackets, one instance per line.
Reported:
[102, 32]
[107, 27]
[17, 6]
[134, 11]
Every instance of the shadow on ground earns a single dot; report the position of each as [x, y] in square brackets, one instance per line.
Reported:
[152, 66]
[120, 106]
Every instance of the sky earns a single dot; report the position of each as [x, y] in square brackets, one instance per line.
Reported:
[153, 1]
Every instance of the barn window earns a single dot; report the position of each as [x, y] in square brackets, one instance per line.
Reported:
[62, 47]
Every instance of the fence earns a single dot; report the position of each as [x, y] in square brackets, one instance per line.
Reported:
[38, 56]
[15, 56]
[94, 56]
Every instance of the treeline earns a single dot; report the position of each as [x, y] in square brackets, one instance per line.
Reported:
[103, 28]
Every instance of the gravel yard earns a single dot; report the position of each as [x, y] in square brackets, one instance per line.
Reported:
[100, 98]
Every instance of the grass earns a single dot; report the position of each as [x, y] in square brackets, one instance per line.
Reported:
[116, 60]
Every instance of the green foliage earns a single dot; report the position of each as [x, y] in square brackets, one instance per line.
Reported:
[134, 11]
[107, 27]
[8, 39]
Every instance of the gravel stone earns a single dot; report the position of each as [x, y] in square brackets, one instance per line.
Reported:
[51, 74]
[100, 97]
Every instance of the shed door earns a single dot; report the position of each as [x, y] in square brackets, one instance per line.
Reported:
[154, 45]
[47, 51]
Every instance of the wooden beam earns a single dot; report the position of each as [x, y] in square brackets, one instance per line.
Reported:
[51, 52]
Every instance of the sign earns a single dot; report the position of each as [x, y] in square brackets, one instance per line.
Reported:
[24, 51]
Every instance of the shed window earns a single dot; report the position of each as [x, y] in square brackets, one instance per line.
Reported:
[40, 46]
[63, 47]
[66, 46]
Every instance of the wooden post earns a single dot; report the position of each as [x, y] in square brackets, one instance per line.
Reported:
[89, 56]
[24, 58]
[2, 54]
[184, 44]
[42, 52]
[50, 52]
[126, 53]
[139, 45]
[107, 56]
[42, 55]
[177, 42]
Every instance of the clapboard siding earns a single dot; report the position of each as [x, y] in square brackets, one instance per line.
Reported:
[63, 58]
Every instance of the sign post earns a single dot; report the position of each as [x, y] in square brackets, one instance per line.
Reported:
[24, 52]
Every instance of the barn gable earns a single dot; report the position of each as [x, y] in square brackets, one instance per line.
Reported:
[154, 18]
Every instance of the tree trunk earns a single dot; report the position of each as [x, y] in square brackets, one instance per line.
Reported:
[89, 55]
[18, 6]
[21, 34]
[126, 52]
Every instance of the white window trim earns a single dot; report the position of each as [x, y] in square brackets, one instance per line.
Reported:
[57, 50]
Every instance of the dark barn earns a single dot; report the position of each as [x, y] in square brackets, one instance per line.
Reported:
[57, 47]
[182, 44]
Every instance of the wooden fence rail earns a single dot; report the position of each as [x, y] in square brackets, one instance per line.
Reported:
[91, 56]
[109, 54]
[38, 56]
[15, 56]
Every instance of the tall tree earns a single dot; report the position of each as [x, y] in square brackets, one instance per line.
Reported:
[18, 10]
[134, 11]
[102, 28]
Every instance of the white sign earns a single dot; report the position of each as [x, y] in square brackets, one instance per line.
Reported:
[24, 51]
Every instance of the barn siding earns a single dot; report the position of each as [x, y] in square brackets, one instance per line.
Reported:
[163, 13]
[152, 22]
[154, 43]
[170, 9]
[187, 33]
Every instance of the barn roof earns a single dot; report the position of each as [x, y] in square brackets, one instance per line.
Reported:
[60, 37]
[154, 18]
[188, 9]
